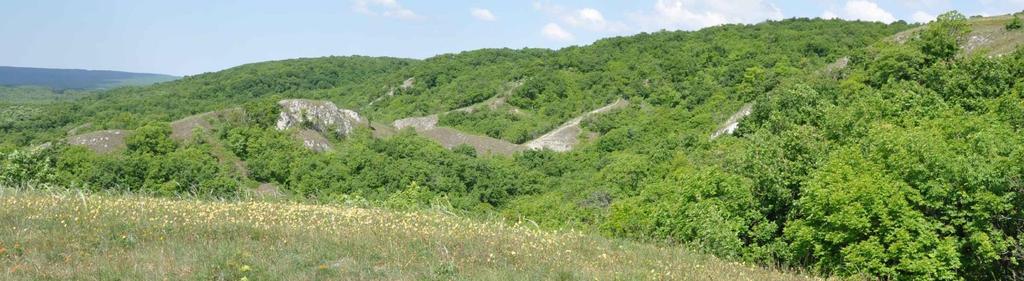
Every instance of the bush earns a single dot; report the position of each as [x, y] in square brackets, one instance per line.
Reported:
[412, 198]
[853, 218]
[262, 112]
[942, 38]
[152, 139]
[708, 208]
[1014, 24]
[188, 170]
[25, 168]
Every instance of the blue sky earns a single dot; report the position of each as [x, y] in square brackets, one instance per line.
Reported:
[187, 37]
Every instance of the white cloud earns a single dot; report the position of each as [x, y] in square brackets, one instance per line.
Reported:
[829, 15]
[861, 10]
[696, 14]
[483, 14]
[922, 17]
[593, 20]
[586, 17]
[548, 8]
[555, 32]
[589, 19]
[387, 8]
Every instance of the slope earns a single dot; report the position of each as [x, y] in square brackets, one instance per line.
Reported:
[989, 36]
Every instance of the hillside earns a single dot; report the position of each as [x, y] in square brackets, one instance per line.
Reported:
[36, 95]
[553, 86]
[849, 149]
[94, 237]
[988, 36]
[76, 79]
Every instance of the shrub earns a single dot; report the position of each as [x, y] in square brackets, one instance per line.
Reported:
[21, 168]
[708, 208]
[853, 219]
[413, 197]
[942, 38]
[151, 139]
[1014, 24]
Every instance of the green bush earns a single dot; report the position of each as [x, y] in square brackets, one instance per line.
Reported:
[21, 168]
[152, 139]
[412, 198]
[707, 208]
[1014, 24]
[853, 218]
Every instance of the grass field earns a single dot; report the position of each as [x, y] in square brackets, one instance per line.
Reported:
[71, 236]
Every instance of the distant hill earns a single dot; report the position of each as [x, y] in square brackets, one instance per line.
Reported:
[60, 79]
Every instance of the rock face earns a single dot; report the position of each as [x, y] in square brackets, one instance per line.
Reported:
[565, 137]
[101, 141]
[314, 140]
[833, 69]
[408, 83]
[321, 116]
[417, 123]
[733, 123]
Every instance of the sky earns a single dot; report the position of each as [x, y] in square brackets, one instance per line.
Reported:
[187, 37]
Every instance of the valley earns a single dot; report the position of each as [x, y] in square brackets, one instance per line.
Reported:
[783, 150]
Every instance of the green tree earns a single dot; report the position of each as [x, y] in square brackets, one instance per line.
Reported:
[941, 39]
[263, 112]
[151, 139]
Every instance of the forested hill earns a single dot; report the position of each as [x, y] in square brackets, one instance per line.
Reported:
[891, 152]
[76, 79]
[668, 68]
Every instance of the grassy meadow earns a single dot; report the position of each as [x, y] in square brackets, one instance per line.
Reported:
[77, 236]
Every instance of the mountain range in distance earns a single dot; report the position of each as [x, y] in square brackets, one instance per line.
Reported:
[77, 79]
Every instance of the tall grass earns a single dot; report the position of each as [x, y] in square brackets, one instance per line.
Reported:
[79, 236]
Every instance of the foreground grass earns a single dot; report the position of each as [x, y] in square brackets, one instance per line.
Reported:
[97, 237]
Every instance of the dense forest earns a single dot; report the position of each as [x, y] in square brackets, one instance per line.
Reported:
[864, 155]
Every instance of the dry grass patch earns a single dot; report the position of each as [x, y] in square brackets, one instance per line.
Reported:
[96, 237]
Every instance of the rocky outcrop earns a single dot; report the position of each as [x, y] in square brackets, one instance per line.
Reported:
[417, 123]
[314, 140]
[408, 83]
[733, 122]
[566, 136]
[834, 69]
[321, 116]
[106, 141]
